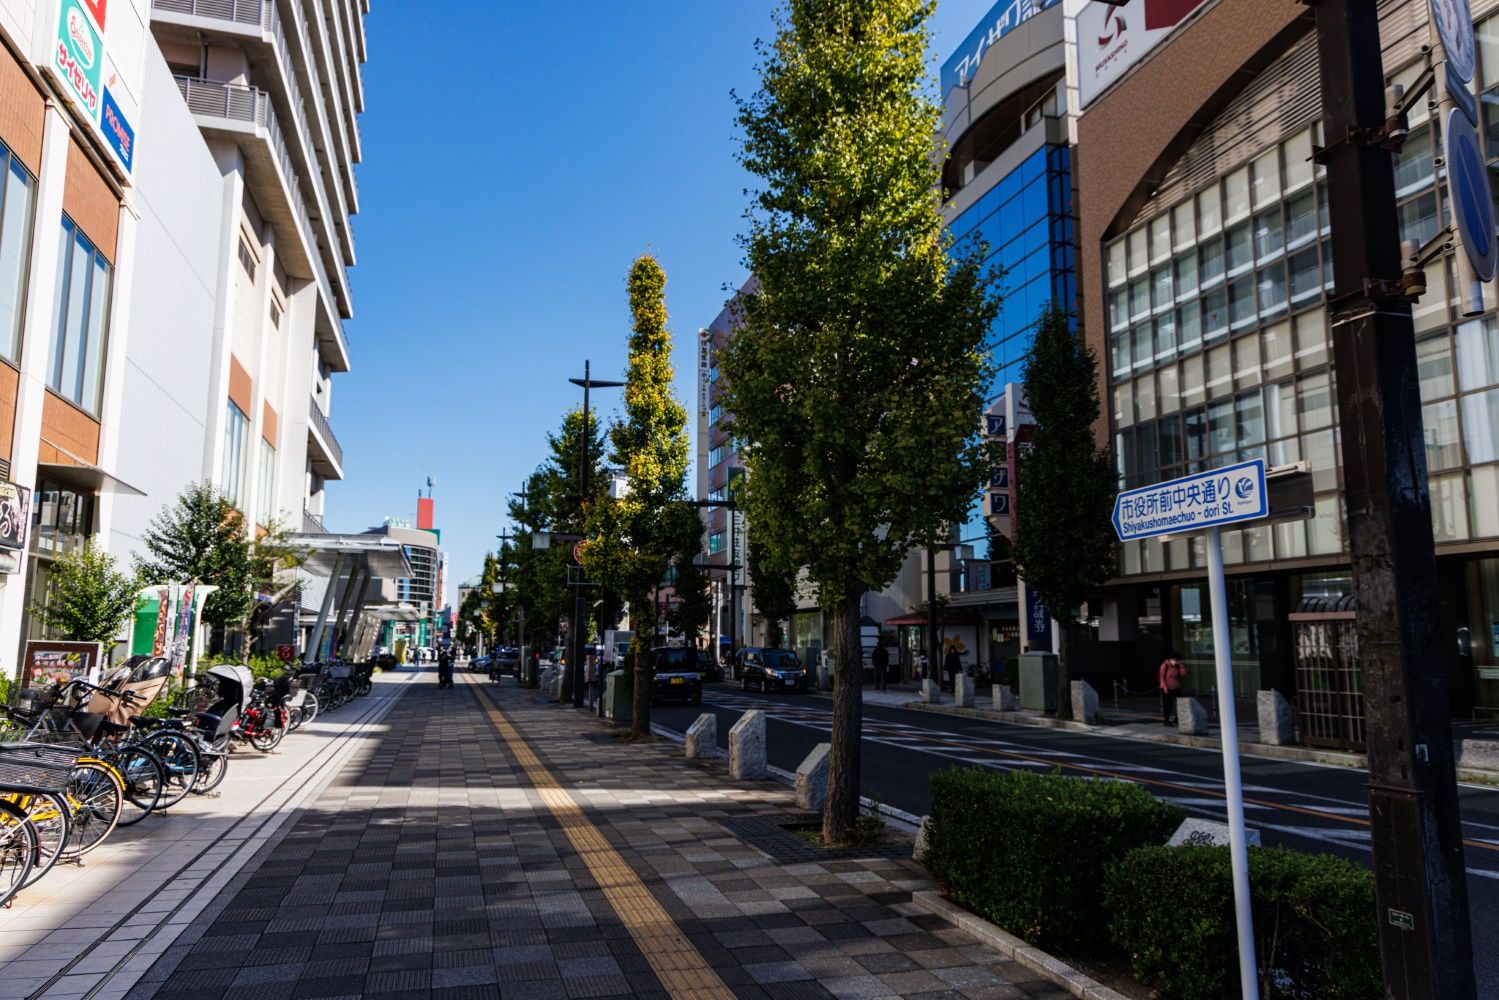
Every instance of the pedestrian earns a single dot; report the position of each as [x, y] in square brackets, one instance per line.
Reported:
[921, 674]
[881, 661]
[1170, 675]
[445, 667]
[591, 676]
[952, 666]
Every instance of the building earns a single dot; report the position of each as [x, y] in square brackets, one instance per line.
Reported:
[718, 469]
[1009, 184]
[422, 591]
[1204, 270]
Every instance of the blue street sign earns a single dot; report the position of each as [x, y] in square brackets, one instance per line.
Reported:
[1461, 95]
[1193, 503]
[1468, 190]
[1454, 22]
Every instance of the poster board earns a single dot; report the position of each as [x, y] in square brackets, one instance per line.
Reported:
[46, 662]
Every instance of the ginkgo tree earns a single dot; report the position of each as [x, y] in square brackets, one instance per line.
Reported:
[856, 378]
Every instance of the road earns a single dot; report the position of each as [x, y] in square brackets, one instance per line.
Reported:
[1309, 807]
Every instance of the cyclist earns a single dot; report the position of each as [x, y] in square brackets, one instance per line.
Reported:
[445, 667]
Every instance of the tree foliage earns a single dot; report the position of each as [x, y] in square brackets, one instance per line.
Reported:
[857, 376]
[201, 538]
[634, 539]
[88, 599]
[772, 589]
[1064, 540]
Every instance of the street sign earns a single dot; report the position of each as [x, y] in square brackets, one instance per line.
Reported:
[1454, 22]
[1468, 190]
[286, 652]
[1205, 500]
[578, 550]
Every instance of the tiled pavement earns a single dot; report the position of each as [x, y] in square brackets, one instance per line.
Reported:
[451, 862]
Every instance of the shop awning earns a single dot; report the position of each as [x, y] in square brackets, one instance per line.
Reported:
[85, 478]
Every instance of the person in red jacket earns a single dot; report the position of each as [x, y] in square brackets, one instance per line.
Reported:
[1169, 677]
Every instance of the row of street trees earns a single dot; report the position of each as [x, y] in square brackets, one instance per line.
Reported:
[856, 380]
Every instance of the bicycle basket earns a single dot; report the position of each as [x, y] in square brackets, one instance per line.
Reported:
[33, 701]
[36, 768]
[339, 671]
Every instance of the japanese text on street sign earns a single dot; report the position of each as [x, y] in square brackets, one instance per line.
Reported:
[1206, 500]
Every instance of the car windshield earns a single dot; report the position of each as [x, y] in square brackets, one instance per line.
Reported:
[674, 659]
[781, 658]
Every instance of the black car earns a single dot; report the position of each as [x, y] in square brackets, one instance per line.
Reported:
[507, 658]
[771, 670]
[677, 676]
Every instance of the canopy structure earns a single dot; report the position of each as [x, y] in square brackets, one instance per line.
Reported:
[350, 563]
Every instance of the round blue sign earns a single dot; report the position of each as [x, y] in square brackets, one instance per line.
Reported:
[1454, 22]
[1468, 192]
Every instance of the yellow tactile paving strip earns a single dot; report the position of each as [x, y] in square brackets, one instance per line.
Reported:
[676, 962]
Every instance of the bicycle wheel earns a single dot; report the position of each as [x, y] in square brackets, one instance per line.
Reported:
[365, 686]
[215, 766]
[18, 846]
[267, 739]
[49, 817]
[179, 758]
[97, 796]
[144, 779]
[310, 708]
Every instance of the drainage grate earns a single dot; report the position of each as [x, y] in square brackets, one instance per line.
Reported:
[776, 835]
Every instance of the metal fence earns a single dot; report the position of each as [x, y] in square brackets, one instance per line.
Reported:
[239, 11]
[1329, 683]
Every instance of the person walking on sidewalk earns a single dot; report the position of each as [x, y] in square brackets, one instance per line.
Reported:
[1170, 675]
[445, 667]
[881, 662]
[952, 666]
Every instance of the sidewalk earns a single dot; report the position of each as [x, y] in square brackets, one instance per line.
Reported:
[92, 930]
[494, 845]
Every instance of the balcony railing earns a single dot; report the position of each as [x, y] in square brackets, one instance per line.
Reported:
[239, 11]
[320, 421]
[311, 523]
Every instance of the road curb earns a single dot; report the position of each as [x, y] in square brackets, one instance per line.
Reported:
[1045, 965]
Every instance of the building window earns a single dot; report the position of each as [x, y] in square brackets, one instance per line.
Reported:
[61, 518]
[16, 203]
[717, 454]
[716, 495]
[247, 258]
[715, 543]
[267, 504]
[276, 313]
[715, 414]
[236, 429]
[76, 364]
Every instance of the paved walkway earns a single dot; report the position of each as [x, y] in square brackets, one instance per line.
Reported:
[494, 845]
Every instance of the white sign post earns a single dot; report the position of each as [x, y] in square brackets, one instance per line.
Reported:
[1206, 502]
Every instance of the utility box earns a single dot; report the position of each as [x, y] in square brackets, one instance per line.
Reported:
[1038, 681]
[826, 668]
[616, 702]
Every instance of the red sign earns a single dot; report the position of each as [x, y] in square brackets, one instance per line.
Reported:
[286, 652]
[578, 551]
[97, 8]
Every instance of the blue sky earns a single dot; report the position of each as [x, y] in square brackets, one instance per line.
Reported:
[517, 157]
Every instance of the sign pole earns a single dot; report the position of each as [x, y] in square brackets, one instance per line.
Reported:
[1233, 786]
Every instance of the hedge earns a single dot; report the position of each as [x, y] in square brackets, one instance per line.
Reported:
[1172, 913]
[1030, 851]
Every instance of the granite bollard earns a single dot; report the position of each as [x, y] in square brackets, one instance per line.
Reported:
[747, 746]
[931, 692]
[1191, 717]
[1277, 718]
[1084, 703]
[963, 691]
[702, 736]
[812, 779]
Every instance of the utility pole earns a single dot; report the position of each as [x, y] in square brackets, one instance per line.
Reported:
[1420, 881]
[580, 599]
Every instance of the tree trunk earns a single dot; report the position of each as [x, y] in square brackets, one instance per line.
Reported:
[775, 634]
[1064, 671]
[841, 813]
[645, 674]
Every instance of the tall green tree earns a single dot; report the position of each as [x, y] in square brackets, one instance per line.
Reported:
[201, 538]
[634, 539]
[772, 589]
[88, 599]
[856, 377]
[1064, 538]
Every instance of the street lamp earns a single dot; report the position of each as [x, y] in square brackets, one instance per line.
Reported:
[580, 610]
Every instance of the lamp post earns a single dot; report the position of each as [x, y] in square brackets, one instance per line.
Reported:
[521, 662]
[580, 610]
[731, 571]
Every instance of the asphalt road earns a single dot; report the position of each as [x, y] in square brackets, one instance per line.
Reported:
[1309, 807]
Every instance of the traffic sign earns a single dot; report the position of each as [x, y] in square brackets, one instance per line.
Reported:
[1468, 191]
[1454, 22]
[1205, 500]
[578, 551]
[1461, 95]
[286, 652]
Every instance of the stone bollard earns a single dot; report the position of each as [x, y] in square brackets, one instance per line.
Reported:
[1191, 717]
[922, 833]
[747, 746]
[1277, 719]
[547, 677]
[1084, 703]
[931, 692]
[963, 691]
[702, 736]
[1004, 699]
[812, 779]
[1480, 755]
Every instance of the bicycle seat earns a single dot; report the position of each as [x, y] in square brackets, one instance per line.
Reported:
[113, 728]
[144, 722]
[180, 713]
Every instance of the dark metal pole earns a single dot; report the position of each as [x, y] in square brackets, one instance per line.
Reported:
[580, 609]
[733, 579]
[1416, 833]
[933, 668]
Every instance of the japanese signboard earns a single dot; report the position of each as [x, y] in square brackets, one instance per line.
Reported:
[47, 663]
[96, 54]
[1205, 500]
[15, 515]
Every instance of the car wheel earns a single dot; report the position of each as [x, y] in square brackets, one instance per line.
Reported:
[744, 683]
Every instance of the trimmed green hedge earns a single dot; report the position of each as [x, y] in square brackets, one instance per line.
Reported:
[1030, 851]
[1172, 913]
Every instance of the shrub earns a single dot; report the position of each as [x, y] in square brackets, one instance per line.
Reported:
[1030, 851]
[1172, 912]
